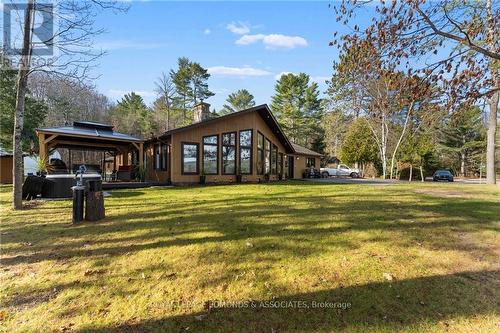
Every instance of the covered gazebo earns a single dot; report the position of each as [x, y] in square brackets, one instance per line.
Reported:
[90, 136]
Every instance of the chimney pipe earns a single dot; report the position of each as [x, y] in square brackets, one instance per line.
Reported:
[201, 112]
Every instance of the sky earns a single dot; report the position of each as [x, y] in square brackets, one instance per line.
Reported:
[242, 44]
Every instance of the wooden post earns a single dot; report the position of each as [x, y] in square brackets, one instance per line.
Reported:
[125, 157]
[70, 161]
[42, 146]
[141, 154]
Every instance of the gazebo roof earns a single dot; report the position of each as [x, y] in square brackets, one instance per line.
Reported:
[87, 129]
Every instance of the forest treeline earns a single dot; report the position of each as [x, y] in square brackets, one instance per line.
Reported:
[339, 122]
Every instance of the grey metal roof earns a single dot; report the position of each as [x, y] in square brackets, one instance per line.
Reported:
[91, 130]
[303, 150]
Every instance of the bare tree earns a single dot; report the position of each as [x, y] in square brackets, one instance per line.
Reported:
[454, 43]
[165, 88]
[75, 57]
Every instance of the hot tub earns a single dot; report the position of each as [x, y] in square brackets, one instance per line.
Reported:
[59, 185]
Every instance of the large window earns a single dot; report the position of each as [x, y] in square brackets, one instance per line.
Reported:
[311, 162]
[260, 154]
[189, 159]
[274, 160]
[229, 153]
[280, 164]
[211, 155]
[160, 157]
[246, 152]
[267, 156]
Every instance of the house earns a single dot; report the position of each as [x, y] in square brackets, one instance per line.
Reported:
[249, 143]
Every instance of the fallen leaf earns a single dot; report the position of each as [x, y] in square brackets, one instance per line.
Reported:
[200, 317]
[388, 276]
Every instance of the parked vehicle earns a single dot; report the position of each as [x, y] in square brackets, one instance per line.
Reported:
[442, 175]
[341, 170]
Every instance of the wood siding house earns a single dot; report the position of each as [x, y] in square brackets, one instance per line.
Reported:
[249, 143]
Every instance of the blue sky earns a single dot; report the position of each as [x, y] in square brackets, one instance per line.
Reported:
[243, 44]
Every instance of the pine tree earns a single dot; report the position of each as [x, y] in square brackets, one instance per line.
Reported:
[34, 113]
[131, 115]
[237, 101]
[464, 139]
[297, 107]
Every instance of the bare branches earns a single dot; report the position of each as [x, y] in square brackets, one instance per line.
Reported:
[465, 41]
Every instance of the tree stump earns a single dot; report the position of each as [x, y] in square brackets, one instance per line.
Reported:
[94, 206]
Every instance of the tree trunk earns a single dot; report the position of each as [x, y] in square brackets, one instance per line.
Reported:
[403, 132]
[490, 145]
[422, 174]
[22, 83]
[462, 164]
[411, 172]
[493, 101]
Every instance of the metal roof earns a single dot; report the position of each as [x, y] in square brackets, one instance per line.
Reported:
[304, 151]
[90, 130]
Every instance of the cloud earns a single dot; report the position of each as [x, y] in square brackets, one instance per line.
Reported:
[118, 94]
[123, 44]
[207, 31]
[273, 41]
[320, 79]
[238, 28]
[237, 71]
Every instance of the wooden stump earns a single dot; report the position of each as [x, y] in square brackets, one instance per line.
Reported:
[94, 206]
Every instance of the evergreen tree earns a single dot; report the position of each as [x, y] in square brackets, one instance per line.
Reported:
[296, 104]
[237, 101]
[464, 139]
[34, 116]
[358, 145]
[190, 80]
[131, 115]
[198, 78]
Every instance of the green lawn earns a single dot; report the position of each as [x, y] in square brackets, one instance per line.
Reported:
[416, 257]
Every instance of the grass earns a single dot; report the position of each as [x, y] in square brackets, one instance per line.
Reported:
[412, 258]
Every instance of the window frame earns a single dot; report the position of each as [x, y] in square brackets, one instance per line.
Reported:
[274, 155]
[197, 172]
[266, 156]
[203, 151]
[313, 162]
[162, 154]
[260, 153]
[280, 165]
[235, 152]
[245, 147]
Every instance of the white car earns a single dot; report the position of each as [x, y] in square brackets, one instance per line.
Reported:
[341, 170]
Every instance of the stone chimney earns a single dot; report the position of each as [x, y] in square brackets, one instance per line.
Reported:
[201, 112]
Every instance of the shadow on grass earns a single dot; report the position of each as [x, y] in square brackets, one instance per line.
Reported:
[305, 219]
[418, 303]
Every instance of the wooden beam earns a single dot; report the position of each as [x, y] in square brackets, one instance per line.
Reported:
[50, 138]
[96, 144]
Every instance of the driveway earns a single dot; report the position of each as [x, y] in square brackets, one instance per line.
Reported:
[346, 180]
[378, 181]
